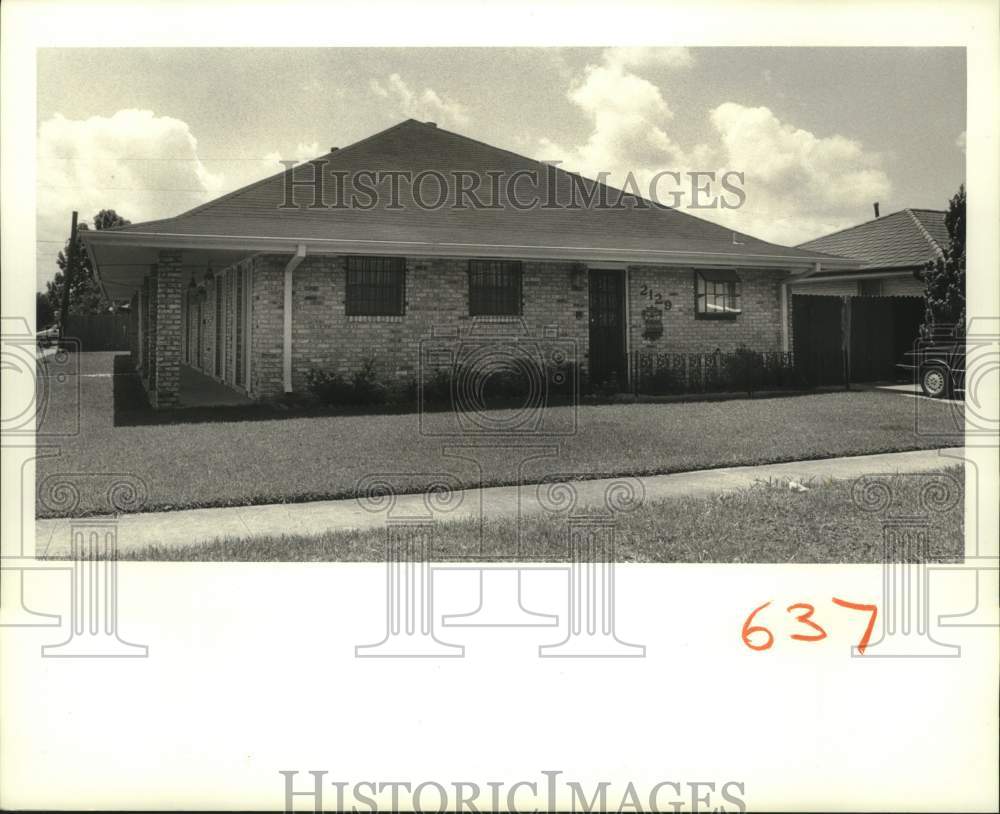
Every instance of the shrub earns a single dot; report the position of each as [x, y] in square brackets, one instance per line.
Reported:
[329, 387]
[401, 393]
[366, 390]
[437, 386]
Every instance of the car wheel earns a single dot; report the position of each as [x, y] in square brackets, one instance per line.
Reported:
[934, 382]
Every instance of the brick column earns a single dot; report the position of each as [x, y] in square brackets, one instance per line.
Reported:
[165, 379]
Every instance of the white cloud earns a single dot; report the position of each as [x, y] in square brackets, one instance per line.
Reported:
[629, 118]
[798, 184]
[960, 141]
[425, 105]
[626, 57]
[141, 165]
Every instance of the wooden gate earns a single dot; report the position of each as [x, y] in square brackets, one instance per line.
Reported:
[838, 340]
[818, 331]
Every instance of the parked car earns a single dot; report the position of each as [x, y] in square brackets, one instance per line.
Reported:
[939, 366]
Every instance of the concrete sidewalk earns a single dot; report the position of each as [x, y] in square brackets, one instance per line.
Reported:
[200, 525]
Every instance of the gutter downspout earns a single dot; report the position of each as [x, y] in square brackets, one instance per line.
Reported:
[298, 257]
[785, 340]
[784, 317]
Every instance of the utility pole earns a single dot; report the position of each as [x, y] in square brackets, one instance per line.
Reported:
[68, 278]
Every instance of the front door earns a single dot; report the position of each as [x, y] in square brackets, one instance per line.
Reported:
[607, 327]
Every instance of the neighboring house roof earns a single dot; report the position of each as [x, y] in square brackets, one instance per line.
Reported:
[252, 216]
[903, 240]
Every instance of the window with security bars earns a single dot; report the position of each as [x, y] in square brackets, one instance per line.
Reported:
[494, 288]
[376, 286]
[717, 294]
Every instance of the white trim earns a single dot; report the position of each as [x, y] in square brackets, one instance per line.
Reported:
[286, 367]
[448, 249]
[785, 344]
[628, 328]
[878, 275]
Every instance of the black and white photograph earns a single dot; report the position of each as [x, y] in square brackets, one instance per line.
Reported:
[385, 395]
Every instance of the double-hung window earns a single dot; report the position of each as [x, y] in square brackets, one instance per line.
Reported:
[716, 294]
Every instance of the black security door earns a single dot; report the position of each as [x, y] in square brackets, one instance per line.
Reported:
[607, 327]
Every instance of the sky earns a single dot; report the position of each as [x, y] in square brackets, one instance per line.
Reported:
[819, 133]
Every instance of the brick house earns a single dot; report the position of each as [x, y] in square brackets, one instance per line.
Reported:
[329, 264]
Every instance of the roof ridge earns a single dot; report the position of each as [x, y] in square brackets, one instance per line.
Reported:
[923, 231]
[254, 184]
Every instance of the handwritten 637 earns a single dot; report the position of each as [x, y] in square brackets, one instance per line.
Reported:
[757, 636]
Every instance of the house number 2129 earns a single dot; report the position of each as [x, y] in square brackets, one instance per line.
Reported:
[655, 296]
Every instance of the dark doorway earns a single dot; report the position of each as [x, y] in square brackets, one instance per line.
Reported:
[607, 327]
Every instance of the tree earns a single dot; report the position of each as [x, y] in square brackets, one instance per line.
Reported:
[44, 313]
[944, 277]
[85, 295]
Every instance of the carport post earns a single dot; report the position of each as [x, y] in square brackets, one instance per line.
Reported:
[165, 384]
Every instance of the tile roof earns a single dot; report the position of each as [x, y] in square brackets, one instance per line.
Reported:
[417, 146]
[907, 238]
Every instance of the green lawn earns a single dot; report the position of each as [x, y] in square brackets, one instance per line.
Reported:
[765, 524]
[264, 456]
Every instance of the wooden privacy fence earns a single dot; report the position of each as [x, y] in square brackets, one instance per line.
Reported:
[99, 331]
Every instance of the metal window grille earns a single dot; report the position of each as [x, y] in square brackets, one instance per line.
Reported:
[494, 288]
[375, 286]
[717, 293]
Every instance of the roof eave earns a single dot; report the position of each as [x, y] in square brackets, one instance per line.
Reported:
[588, 254]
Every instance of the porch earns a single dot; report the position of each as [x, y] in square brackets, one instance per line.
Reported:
[198, 390]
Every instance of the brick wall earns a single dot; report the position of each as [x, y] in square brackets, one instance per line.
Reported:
[555, 305]
[847, 288]
[165, 387]
[907, 286]
[758, 327]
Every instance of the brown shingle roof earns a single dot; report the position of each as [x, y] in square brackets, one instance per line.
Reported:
[415, 146]
[908, 238]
